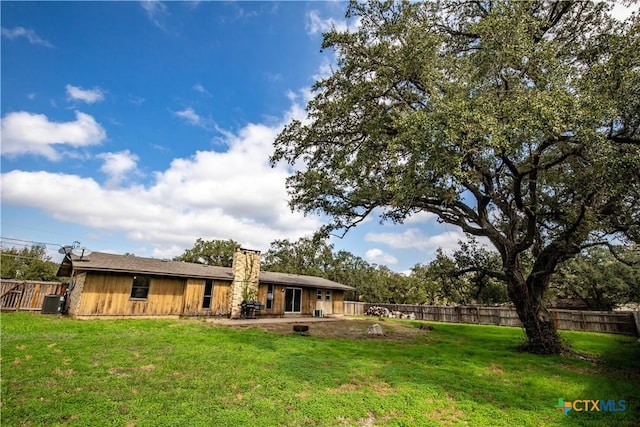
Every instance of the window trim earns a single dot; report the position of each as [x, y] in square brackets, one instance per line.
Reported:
[270, 291]
[211, 284]
[145, 285]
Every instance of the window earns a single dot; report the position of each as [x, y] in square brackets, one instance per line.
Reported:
[328, 296]
[140, 287]
[208, 293]
[269, 297]
[319, 295]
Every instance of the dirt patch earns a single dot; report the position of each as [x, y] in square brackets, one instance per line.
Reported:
[362, 422]
[446, 416]
[496, 369]
[354, 329]
[70, 419]
[117, 372]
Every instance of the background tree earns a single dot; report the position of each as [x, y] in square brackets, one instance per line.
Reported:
[28, 264]
[599, 279]
[430, 283]
[309, 256]
[210, 252]
[513, 120]
[314, 256]
[463, 277]
[352, 270]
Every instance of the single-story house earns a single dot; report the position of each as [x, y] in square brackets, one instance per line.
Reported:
[103, 284]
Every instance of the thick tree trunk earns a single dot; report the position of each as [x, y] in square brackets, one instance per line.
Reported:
[527, 296]
[542, 337]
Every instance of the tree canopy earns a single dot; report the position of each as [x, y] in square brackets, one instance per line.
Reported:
[29, 263]
[210, 252]
[516, 121]
[594, 276]
[599, 279]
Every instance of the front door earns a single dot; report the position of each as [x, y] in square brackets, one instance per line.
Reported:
[292, 300]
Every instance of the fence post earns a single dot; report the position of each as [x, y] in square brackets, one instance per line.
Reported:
[636, 318]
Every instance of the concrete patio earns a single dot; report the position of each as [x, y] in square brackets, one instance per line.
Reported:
[273, 320]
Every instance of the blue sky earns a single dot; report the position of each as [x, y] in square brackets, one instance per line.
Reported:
[141, 126]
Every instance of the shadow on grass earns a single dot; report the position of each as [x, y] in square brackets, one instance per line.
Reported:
[610, 368]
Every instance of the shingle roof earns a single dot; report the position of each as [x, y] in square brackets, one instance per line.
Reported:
[100, 261]
[300, 280]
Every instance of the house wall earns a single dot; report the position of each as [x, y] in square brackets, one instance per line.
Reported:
[308, 301]
[309, 298]
[194, 293]
[107, 294]
[278, 300]
[338, 302]
[110, 295]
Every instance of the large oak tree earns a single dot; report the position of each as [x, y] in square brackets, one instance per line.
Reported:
[514, 120]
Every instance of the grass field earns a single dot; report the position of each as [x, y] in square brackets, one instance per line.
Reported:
[59, 371]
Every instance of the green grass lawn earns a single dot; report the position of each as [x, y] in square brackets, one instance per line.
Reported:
[59, 371]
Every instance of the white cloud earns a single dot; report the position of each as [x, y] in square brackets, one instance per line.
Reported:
[86, 95]
[234, 194]
[117, 166]
[315, 24]
[325, 70]
[378, 256]
[201, 89]
[27, 33]
[416, 239]
[28, 133]
[190, 116]
[421, 218]
[156, 12]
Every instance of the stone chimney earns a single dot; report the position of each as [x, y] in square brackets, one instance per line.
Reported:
[246, 269]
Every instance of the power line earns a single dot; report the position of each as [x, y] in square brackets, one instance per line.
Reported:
[31, 241]
[25, 257]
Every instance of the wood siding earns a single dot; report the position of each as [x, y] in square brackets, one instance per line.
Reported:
[278, 299]
[308, 301]
[110, 295]
[309, 298]
[194, 294]
[338, 302]
[98, 294]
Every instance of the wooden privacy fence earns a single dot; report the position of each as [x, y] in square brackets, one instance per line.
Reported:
[622, 322]
[27, 294]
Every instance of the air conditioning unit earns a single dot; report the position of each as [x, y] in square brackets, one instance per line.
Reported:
[318, 313]
[52, 304]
